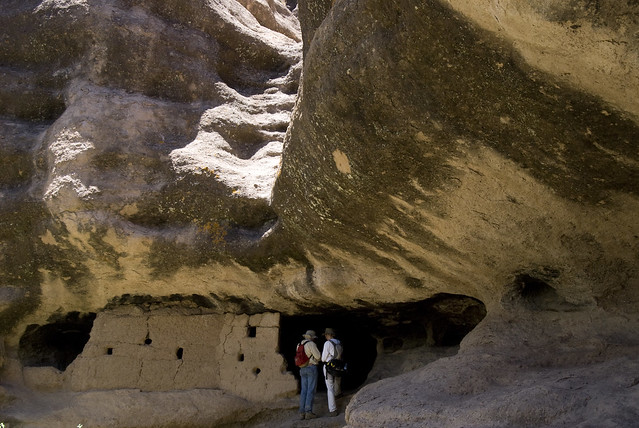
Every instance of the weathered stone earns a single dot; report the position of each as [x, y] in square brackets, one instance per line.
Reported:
[161, 155]
[158, 169]
[43, 378]
[311, 14]
[547, 369]
[165, 350]
[447, 173]
[265, 320]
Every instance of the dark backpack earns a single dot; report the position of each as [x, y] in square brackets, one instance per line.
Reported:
[301, 359]
[336, 367]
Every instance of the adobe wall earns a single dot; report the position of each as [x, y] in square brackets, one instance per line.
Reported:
[167, 350]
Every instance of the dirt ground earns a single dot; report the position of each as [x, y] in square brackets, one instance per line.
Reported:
[21, 408]
[289, 417]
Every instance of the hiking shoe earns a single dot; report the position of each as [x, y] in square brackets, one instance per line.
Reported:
[310, 415]
[333, 413]
[302, 416]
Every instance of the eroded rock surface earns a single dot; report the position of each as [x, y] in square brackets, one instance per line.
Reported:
[158, 153]
[146, 140]
[440, 156]
[484, 163]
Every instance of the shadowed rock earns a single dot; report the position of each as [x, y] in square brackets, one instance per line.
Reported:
[477, 156]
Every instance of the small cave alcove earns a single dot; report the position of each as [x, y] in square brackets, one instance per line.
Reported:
[369, 333]
[57, 343]
[534, 292]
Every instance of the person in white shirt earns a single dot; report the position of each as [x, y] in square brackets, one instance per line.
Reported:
[332, 349]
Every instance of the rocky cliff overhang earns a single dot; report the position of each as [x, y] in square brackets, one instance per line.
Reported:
[160, 151]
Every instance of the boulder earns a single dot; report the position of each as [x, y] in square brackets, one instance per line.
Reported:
[405, 170]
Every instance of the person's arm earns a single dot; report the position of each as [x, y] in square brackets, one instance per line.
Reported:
[325, 352]
[315, 353]
[328, 353]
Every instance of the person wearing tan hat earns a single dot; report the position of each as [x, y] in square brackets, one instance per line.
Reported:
[332, 349]
[308, 376]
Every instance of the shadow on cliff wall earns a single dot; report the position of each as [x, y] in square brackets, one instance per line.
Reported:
[58, 343]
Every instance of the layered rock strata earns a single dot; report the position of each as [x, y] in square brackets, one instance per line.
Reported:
[155, 154]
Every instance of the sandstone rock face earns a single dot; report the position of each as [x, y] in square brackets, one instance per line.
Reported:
[147, 140]
[455, 149]
[444, 162]
[158, 153]
[138, 139]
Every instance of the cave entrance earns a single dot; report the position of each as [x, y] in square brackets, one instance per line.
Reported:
[55, 344]
[386, 340]
[360, 346]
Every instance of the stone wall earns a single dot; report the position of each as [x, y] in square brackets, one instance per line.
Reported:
[169, 350]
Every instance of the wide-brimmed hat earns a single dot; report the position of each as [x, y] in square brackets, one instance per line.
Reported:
[310, 334]
[329, 331]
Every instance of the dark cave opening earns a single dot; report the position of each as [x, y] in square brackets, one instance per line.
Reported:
[439, 322]
[531, 288]
[55, 344]
[360, 347]
[534, 292]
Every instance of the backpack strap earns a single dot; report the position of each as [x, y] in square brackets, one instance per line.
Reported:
[304, 342]
[336, 353]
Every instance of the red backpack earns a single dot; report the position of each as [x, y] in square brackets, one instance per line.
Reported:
[301, 359]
